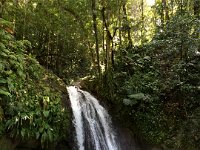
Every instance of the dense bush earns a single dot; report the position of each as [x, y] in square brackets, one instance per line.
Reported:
[156, 86]
[30, 108]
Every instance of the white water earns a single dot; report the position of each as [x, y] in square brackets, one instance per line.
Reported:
[92, 122]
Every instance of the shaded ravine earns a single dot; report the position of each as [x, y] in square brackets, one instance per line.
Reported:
[92, 123]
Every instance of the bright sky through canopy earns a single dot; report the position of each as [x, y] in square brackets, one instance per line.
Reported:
[150, 2]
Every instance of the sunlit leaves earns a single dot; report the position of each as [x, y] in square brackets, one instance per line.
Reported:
[3, 92]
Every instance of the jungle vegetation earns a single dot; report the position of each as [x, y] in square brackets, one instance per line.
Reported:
[142, 57]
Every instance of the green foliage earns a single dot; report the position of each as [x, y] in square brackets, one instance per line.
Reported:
[156, 86]
[163, 89]
[29, 107]
[153, 85]
[56, 37]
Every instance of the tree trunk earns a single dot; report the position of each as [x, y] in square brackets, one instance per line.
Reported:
[197, 15]
[142, 18]
[103, 44]
[172, 5]
[119, 24]
[1, 7]
[197, 8]
[164, 3]
[94, 17]
[127, 27]
[109, 37]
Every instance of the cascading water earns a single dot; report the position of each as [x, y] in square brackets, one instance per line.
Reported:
[92, 122]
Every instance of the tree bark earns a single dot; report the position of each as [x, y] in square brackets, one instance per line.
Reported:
[108, 37]
[164, 2]
[120, 23]
[2, 2]
[197, 15]
[162, 16]
[197, 8]
[94, 17]
[142, 17]
[127, 27]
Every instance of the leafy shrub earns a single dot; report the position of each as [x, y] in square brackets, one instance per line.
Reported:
[156, 86]
[29, 107]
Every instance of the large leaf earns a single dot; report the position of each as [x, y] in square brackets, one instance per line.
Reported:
[5, 23]
[3, 54]
[46, 113]
[138, 96]
[129, 102]
[13, 57]
[2, 92]
[3, 80]
[1, 67]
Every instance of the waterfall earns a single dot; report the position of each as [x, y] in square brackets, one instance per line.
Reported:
[92, 122]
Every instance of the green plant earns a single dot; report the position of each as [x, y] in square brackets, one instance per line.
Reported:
[30, 107]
